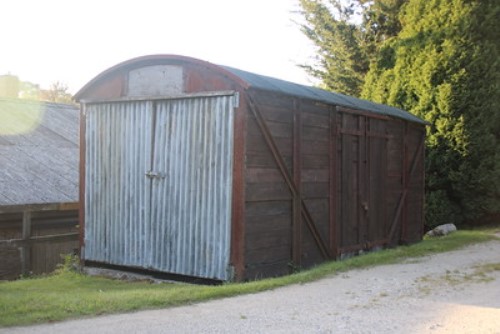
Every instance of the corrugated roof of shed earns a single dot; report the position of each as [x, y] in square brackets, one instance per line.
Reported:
[272, 84]
[248, 79]
[39, 152]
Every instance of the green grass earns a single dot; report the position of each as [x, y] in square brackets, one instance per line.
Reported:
[70, 295]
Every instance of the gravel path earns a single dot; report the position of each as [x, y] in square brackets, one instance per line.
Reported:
[455, 292]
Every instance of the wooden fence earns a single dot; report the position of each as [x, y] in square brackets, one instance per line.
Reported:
[32, 238]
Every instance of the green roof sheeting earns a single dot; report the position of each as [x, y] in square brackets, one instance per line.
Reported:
[290, 88]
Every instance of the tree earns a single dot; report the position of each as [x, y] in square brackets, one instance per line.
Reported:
[444, 67]
[347, 36]
[341, 62]
[11, 86]
[380, 23]
[58, 92]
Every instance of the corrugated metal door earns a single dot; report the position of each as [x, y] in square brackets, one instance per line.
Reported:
[181, 181]
[118, 152]
[192, 182]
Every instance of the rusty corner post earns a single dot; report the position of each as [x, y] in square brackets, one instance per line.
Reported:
[237, 257]
[81, 210]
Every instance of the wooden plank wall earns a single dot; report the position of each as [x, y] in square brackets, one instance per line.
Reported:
[10, 259]
[44, 255]
[376, 155]
[395, 174]
[315, 156]
[269, 204]
[349, 183]
[268, 207]
[414, 227]
[351, 170]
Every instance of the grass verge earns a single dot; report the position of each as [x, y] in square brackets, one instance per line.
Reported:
[70, 295]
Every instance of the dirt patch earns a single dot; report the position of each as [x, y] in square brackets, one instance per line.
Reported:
[121, 275]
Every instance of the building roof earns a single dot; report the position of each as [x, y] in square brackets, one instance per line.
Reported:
[39, 152]
[272, 84]
[252, 80]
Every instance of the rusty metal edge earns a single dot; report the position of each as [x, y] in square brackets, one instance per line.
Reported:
[158, 59]
[160, 98]
[81, 211]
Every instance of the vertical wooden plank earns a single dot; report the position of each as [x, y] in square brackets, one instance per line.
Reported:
[238, 201]
[365, 204]
[350, 176]
[360, 175]
[346, 195]
[377, 170]
[339, 182]
[334, 246]
[26, 248]
[405, 174]
[297, 199]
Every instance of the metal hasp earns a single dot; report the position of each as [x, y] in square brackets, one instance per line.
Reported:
[155, 175]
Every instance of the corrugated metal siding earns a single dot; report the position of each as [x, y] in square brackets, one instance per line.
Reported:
[179, 220]
[118, 142]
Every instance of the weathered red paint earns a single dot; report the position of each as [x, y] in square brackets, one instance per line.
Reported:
[81, 211]
[112, 81]
[238, 196]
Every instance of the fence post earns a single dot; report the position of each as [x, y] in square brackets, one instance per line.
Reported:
[26, 248]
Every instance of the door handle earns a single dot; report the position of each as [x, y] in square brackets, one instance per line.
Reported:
[155, 175]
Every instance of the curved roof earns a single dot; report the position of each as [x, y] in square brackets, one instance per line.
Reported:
[155, 60]
[252, 80]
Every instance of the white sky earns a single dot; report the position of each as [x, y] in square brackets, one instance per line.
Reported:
[43, 41]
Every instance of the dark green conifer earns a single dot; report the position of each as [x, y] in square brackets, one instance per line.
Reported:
[444, 66]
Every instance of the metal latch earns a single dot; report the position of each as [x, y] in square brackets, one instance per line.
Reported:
[155, 175]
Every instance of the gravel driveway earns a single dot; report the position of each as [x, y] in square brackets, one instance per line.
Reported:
[455, 292]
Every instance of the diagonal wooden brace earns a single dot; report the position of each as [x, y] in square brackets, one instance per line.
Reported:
[325, 252]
